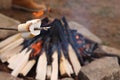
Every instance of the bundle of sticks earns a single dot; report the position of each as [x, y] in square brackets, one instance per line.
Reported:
[57, 50]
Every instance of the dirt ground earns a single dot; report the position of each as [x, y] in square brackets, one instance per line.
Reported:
[101, 17]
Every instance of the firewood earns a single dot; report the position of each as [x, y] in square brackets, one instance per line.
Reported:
[9, 40]
[69, 67]
[41, 67]
[8, 54]
[54, 75]
[13, 61]
[65, 67]
[12, 45]
[49, 69]
[27, 35]
[110, 50]
[21, 64]
[28, 67]
[74, 60]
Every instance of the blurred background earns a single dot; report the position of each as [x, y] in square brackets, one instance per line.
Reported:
[102, 17]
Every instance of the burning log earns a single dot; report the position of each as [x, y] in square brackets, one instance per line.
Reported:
[21, 64]
[12, 45]
[28, 67]
[74, 60]
[65, 67]
[49, 71]
[8, 54]
[41, 67]
[54, 75]
[13, 61]
[9, 40]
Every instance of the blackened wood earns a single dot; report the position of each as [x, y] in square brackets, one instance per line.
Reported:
[71, 41]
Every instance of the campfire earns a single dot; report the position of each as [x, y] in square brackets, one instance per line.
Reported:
[57, 50]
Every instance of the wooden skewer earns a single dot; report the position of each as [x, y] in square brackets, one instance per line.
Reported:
[9, 40]
[12, 45]
[21, 64]
[41, 67]
[28, 67]
[65, 67]
[54, 75]
[8, 54]
[74, 60]
[49, 69]
[13, 61]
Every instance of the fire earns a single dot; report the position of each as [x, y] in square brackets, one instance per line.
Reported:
[36, 48]
[38, 14]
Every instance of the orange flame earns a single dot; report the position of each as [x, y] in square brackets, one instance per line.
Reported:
[38, 14]
[37, 48]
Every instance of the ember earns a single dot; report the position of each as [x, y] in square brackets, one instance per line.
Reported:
[58, 50]
[38, 14]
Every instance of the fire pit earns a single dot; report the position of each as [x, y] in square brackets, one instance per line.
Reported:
[49, 47]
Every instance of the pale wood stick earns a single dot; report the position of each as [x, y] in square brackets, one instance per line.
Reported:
[69, 67]
[8, 54]
[9, 40]
[74, 60]
[110, 50]
[65, 67]
[49, 69]
[13, 61]
[12, 45]
[54, 75]
[41, 67]
[21, 64]
[28, 67]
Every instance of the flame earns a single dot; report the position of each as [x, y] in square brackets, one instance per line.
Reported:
[38, 14]
[36, 48]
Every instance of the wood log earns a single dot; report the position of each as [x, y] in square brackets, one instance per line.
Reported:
[69, 67]
[12, 45]
[65, 67]
[21, 64]
[9, 40]
[110, 50]
[41, 67]
[74, 60]
[8, 54]
[13, 61]
[28, 67]
[27, 35]
[49, 69]
[54, 75]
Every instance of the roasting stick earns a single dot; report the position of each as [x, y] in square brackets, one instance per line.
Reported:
[65, 67]
[74, 60]
[54, 75]
[12, 45]
[21, 64]
[13, 61]
[41, 67]
[8, 54]
[9, 40]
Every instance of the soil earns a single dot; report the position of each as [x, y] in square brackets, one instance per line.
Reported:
[100, 16]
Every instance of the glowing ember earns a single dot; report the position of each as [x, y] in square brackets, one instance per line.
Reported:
[38, 14]
[36, 48]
